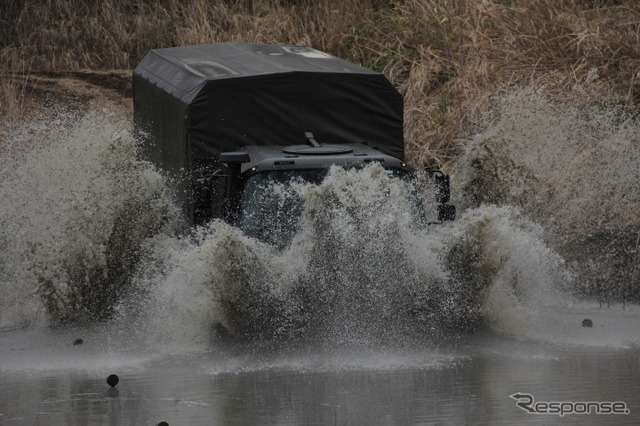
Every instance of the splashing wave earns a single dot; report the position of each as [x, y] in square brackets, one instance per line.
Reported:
[89, 234]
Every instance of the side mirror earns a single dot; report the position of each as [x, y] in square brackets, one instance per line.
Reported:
[443, 195]
[443, 191]
[234, 161]
[446, 212]
[208, 194]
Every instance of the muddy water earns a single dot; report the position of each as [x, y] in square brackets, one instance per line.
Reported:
[368, 317]
[46, 380]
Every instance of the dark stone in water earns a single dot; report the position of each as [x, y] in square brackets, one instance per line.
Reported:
[113, 380]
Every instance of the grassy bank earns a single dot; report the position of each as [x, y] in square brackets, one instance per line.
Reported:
[446, 56]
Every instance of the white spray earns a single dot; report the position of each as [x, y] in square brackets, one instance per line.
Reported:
[81, 211]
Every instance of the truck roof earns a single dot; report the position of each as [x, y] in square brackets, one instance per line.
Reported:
[184, 69]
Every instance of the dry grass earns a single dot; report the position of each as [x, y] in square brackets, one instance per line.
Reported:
[446, 56]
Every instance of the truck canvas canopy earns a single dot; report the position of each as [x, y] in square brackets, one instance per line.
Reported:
[194, 102]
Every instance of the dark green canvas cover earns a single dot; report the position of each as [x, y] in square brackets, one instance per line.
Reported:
[194, 102]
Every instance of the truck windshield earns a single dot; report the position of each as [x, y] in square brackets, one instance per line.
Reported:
[271, 208]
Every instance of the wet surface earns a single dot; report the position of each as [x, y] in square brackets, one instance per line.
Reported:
[470, 383]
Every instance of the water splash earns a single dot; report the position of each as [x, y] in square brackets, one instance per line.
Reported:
[361, 270]
[351, 272]
[76, 211]
[572, 165]
[100, 240]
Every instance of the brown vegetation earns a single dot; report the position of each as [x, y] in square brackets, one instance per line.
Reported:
[446, 56]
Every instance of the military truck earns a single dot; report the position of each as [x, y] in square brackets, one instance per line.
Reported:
[223, 119]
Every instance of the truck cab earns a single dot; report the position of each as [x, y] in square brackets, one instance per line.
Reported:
[272, 216]
[224, 121]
